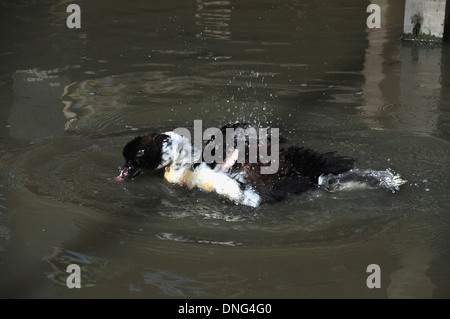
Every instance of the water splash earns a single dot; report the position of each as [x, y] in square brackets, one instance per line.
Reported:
[360, 179]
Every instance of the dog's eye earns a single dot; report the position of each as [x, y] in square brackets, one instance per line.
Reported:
[139, 153]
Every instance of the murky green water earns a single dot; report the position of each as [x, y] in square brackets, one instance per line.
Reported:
[70, 99]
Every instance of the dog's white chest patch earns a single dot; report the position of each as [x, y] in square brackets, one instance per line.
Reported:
[209, 180]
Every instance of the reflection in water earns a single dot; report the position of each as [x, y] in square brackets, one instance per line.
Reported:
[214, 17]
[402, 93]
[170, 236]
[36, 111]
[172, 284]
[5, 233]
[101, 103]
[207, 284]
[402, 80]
[411, 280]
[444, 106]
[373, 71]
[91, 268]
[420, 88]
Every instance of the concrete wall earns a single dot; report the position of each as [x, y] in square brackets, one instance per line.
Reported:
[424, 20]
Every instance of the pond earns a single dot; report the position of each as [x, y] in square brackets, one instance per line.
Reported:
[70, 99]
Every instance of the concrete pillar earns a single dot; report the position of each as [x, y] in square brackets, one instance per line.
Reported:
[447, 21]
[425, 20]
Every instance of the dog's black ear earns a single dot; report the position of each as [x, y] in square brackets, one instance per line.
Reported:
[145, 151]
[130, 149]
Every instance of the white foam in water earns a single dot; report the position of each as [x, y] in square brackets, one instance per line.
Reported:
[361, 179]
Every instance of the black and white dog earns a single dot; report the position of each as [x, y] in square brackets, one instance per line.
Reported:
[299, 169]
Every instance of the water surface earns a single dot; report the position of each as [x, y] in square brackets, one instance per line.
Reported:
[71, 99]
